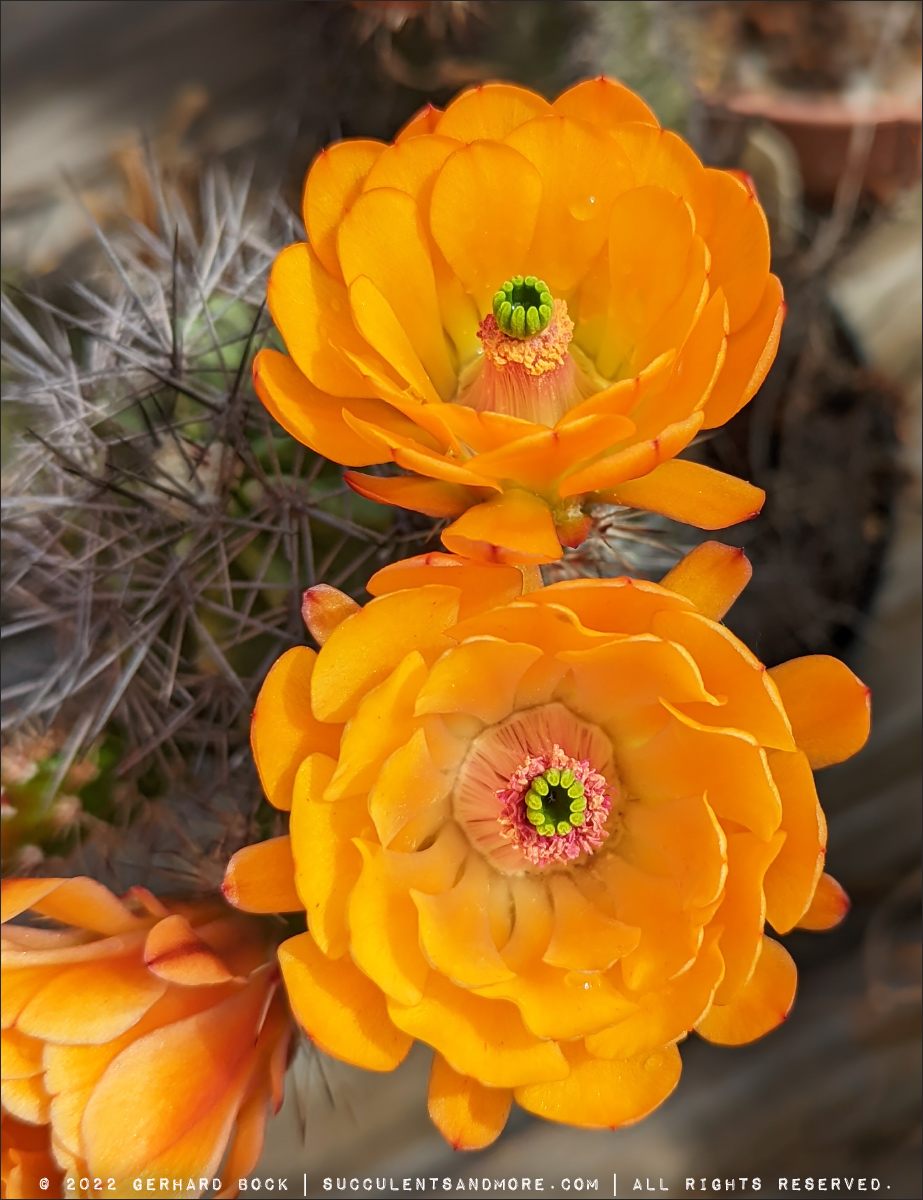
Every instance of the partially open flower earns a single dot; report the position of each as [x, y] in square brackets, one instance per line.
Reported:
[543, 832]
[139, 1040]
[530, 307]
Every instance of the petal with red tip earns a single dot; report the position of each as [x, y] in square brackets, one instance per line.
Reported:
[828, 706]
[694, 494]
[712, 576]
[467, 1114]
[261, 878]
[761, 1004]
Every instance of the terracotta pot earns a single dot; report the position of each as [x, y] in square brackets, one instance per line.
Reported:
[820, 128]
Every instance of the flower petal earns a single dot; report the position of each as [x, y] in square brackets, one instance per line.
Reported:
[666, 1015]
[78, 901]
[422, 122]
[561, 1004]
[489, 111]
[378, 323]
[472, 191]
[761, 1004]
[176, 953]
[327, 864]
[485, 1039]
[712, 576]
[583, 938]
[725, 765]
[312, 417]
[383, 929]
[482, 586]
[261, 878]
[829, 905]
[367, 646]
[601, 1094]
[479, 677]
[739, 245]
[550, 627]
[651, 234]
[582, 172]
[311, 311]
[538, 460]
[829, 708]
[334, 182]
[455, 929]
[340, 1009]
[603, 102]
[619, 605]
[428, 496]
[284, 730]
[680, 840]
[409, 789]
[381, 239]
[633, 463]
[750, 353]
[791, 880]
[743, 910]
[468, 1115]
[731, 671]
[694, 494]
[323, 608]
[514, 528]
[91, 1003]
[382, 722]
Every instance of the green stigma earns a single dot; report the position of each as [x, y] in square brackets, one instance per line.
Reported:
[523, 306]
[555, 802]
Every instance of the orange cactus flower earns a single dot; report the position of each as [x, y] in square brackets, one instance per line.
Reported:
[139, 1039]
[530, 307]
[543, 832]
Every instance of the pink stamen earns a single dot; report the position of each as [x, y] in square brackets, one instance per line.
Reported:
[542, 850]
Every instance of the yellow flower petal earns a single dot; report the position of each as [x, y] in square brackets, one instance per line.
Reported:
[829, 708]
[739, 245]
[515, 527]
[583, 938]
[261, 878]
[603, 102]
[665, 1015]
[383, 929]
[428, 496]
[485, 1039]
[472, 188]
[311, 311]
[327, 864]
[680, 840]
[601, 1094]
[339, 1008]
[792, 878]
[382, 722]
[561, 1004]
[333, 184]
[366, 647]
[750, 353]
[455, 929]
[762, 1004]
[829, 905]
[409, 789]
[693, 493]
[751, 700]
[467, 1114]
[743, 911]
[284, 731]
[400, 267]
[712, 576]
[478, 677]
[489, 111]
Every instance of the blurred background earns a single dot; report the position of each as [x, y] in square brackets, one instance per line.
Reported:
[153, 516]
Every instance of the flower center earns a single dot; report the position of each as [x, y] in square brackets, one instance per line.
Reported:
[554, 808]
[532, 749]
[523, 306]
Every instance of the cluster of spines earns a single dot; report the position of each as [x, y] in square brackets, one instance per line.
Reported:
[554, 788]
[523, 306]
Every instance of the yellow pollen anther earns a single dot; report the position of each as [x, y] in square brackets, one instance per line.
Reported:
[537, 355]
